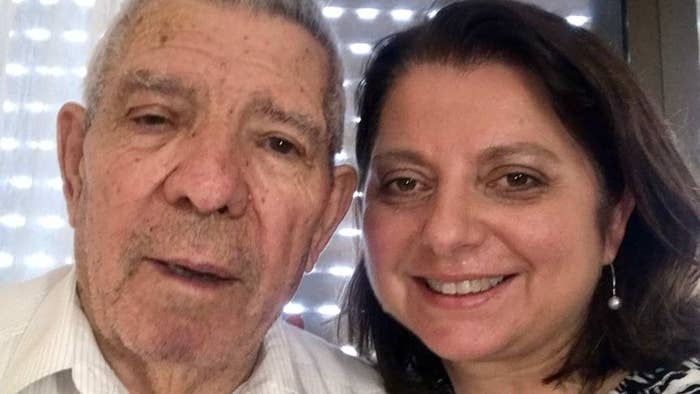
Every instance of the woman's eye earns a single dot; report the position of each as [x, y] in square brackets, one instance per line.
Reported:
[517, 181]
[282, 146]
[404, 184]
[403, 187]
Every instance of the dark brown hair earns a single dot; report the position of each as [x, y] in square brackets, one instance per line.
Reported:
[602, 106]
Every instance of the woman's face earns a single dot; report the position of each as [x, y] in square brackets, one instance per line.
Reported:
[481, 215]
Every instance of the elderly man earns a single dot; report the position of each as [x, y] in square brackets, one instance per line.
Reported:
[201, 185]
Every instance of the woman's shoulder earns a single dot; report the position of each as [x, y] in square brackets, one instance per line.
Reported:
[682, 380]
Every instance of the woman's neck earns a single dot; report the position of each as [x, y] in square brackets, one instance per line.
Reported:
[523, 370]
[504, 378]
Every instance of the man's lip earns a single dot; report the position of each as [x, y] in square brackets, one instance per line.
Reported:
[198, 267]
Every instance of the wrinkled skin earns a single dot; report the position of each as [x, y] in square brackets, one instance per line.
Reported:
[209, 150]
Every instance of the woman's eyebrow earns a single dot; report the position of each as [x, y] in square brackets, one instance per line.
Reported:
[501, 152]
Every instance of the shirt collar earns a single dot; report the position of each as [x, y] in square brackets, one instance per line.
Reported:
[274, 369]
[60, 338]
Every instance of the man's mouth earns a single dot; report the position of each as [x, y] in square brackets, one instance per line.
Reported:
[204, 274]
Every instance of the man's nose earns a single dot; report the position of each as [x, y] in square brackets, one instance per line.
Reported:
[209, 177]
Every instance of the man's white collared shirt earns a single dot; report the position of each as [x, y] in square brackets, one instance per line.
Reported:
[47, 346]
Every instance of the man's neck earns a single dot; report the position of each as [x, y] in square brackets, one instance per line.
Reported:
[141, 376]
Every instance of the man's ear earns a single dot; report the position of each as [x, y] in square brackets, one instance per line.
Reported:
[344, 183]
[618, 217]
[70, 126]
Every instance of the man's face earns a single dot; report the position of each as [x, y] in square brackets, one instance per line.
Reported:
[202, 189]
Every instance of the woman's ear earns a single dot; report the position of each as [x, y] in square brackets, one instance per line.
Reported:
[70, 126]
[618, 216]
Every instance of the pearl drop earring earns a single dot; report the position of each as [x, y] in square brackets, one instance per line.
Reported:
[614, 302]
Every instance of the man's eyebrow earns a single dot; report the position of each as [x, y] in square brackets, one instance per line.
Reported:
[147, 80]
[264, 105]
[497, 153]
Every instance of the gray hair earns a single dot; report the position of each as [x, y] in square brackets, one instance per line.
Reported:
[303, 12]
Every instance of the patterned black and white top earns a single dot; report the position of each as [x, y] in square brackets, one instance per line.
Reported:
[684, 380]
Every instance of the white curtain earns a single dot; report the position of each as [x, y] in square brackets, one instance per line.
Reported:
[44, 45]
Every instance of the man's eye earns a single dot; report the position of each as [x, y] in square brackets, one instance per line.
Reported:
[151, 120]
[282, 146]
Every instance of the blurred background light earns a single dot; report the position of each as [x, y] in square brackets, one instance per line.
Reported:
[350, 232]
[360, 48]
[8, 143]
[39, 260]
[85, 3]
[401, 15]
[44, 145]
[36, 107]
[349, 350]
[55, 71]
[577, 20]
[15, 70]
[343, 271]
[37, 34]
[367, 14]
[333, 12]
[9, 106]
[13, 220]
[294, 308]
[6, 260]
[20, 181]
[328, 310]
[76, 36]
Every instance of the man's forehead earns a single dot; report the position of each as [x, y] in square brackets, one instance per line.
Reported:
[177, 15]
[233, 31]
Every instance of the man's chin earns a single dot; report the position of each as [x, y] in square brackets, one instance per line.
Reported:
[172, 340]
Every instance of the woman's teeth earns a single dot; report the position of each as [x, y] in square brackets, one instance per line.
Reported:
[465, 286]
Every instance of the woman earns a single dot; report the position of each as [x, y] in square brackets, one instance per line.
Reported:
[529, 225]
